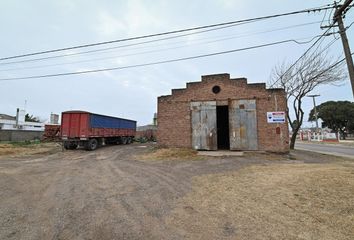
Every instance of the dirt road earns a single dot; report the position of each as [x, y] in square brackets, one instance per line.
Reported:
[108, 193]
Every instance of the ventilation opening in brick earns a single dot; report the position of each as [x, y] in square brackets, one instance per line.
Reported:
[222, 124]
[216, 89]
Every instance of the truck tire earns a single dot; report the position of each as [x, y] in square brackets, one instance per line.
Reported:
[66, 145]
[70, 145]
[92, 144]
[124, 140]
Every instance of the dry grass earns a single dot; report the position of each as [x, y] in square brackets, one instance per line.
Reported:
[280, 201]
[269, 156]
[23, 149]
[170, 154]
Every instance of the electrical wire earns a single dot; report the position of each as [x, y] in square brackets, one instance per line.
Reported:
[303, 55]
[329, 16]
[117, 47]
[317, 54]
[329, 68]
[160, 50]
[324, 34]
[324, 16]
[329, 6]
[349, 26]
[140, 43]
[151, 63]
[134, 44]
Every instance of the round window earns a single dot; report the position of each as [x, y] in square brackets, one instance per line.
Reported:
[216, 89]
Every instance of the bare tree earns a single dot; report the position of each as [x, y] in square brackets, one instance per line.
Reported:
[300, 79]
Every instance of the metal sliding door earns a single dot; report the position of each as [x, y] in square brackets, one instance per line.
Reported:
[204, 125]
[243, 125]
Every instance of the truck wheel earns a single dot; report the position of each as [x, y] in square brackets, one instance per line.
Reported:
[72, 146]
[124, 140]
[66, 145]
[129, 140]
[92, 144]
[118, 140]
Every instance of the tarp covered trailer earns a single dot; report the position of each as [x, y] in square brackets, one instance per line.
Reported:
[90, 130]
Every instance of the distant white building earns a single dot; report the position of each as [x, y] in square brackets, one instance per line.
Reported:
[54, 118]
[8, 122]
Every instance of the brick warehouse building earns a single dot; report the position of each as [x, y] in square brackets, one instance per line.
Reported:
[223, 113]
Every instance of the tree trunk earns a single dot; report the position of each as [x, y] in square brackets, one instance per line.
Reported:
[293, 138]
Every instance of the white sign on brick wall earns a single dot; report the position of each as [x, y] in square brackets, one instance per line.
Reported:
[276, 117]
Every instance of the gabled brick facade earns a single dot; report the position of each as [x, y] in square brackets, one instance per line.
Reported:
[174, 111]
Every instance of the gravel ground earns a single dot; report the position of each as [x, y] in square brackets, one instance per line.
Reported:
[111, 194]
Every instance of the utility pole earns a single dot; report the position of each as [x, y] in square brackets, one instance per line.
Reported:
[314, 107]
[348, 55]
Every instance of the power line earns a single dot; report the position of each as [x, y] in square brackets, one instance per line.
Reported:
[299, 70]
[329, 6]
[121, 46]
[303, 55]
[329, 68]
[158, 50]
[149, 64]
[324, 34]
[141, 43]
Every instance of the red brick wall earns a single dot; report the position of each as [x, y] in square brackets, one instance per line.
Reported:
[174, 120]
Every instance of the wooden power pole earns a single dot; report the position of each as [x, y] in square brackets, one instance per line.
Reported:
[348, 55]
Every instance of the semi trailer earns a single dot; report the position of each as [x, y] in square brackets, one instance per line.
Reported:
[90, 130]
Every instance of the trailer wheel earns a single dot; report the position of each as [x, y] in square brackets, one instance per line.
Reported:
[129, 140]
[92, 144]
[66, 145]
[70, 145]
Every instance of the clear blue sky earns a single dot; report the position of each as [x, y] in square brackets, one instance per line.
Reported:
[30, 26]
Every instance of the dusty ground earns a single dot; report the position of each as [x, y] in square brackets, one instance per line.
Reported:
[27, 149]
[123, 192]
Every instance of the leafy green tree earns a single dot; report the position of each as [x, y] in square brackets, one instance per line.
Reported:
[338, 116]
[31, 118]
